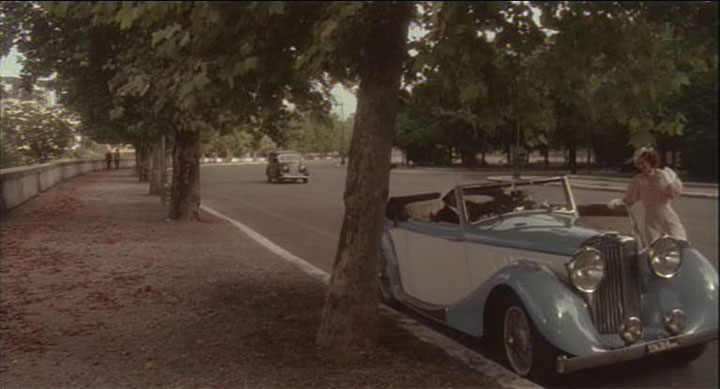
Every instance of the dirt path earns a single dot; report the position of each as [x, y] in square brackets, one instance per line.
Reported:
[98, 290]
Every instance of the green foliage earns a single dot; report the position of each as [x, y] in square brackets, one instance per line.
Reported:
[34, 132]
[87, 149]
[699, 148]
[135, 71]
[265, 145]
[234, 143]
[485, 76]
[9, 156]
[311, 132]
[627, 61]
[475, 73]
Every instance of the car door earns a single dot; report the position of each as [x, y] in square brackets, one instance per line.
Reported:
[432, 263]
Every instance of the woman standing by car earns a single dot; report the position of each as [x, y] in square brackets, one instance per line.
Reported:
[655, 188]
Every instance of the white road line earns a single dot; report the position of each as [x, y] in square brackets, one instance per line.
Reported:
[286, 255]
[454, 349]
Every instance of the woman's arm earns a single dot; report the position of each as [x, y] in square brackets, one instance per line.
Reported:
[670, 183]
[631, 195]
[633, 192]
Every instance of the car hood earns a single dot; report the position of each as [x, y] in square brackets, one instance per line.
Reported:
[551, 233]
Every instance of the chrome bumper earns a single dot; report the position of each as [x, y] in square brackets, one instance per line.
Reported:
[636, 351]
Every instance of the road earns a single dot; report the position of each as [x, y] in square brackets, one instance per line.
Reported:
[305, 219]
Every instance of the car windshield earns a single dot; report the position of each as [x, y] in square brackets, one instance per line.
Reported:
[289, 157]
[486, 201]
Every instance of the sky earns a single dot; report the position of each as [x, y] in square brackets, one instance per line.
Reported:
[10, 65]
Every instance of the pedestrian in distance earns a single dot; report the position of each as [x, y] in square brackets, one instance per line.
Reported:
[108, 159]
[116, 158]
[655, 188]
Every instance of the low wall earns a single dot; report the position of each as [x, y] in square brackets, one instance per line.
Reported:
[20, 184]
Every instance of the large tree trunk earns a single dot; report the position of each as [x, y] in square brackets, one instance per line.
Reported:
[156, 169]
[185, 195]
[350, 320]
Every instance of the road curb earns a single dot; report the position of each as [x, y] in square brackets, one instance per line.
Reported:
[454, 349]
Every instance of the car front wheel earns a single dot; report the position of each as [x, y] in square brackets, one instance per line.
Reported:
[522, 348]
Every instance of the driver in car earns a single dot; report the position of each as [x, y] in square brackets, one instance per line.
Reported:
[522, 200]
[448, 213]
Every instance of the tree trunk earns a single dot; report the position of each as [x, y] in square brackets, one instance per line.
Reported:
[185, 194]
[350, 320]
[156, 169]
[142, 160]
[572, 158]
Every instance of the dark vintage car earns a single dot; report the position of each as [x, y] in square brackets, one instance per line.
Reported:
[286, 166]
[553, 285]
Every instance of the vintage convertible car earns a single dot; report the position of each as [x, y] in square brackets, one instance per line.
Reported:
[555, 286]
[286, 165]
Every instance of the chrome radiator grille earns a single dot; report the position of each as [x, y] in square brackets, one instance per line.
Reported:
[619, 294]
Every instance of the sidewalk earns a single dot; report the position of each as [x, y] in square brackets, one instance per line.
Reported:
[100, 290]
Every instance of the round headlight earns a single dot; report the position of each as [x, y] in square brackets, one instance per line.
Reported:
[664, 257]
[586, 270]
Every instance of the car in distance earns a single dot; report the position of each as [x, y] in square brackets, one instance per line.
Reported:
[554, 286]
[286, 166]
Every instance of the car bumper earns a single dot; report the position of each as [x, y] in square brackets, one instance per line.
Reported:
[293, 176]
[567, 364]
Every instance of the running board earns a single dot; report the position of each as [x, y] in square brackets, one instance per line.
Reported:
[435, 312]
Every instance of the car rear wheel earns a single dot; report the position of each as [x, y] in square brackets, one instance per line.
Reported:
[305, 180]
[521, 346]
[269, 178]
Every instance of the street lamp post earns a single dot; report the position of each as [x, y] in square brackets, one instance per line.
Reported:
[342, 135]
[516, 154]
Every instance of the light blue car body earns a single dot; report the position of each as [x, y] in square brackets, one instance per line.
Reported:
[557, 309]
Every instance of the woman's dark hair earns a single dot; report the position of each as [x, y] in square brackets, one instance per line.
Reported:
[651, 156]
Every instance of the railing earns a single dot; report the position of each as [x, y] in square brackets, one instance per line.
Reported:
[20, 184]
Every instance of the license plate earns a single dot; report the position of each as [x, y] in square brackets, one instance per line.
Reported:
[661, 345]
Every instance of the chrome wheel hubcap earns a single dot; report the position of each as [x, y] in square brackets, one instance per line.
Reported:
[517, 340]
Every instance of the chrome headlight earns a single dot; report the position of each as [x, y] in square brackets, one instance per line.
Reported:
[664, 257]
[285, 168]
[586, 270]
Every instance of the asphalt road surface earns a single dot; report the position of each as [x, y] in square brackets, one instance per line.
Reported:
[305, 219]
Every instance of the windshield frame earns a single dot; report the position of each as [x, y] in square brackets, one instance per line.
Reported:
[570, 208]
